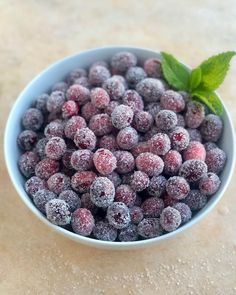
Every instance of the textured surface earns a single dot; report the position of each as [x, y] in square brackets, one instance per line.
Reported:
[33, 259]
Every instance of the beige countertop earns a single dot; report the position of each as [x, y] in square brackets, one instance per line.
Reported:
[35, 260]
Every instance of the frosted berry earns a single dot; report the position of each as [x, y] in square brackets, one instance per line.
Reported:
[139, 181]
[122, 116]
[111, 106]
[195, 150]
[152, 207]
[115, 87]
[135, 75]
[150, 164]
[78, 93]
[60, 86]
[32, 119]
[66, 158]
[88, 111]
[104, 231]
[55, 101]
[184, 210]
[115, 178]
[211, 128]
[125, 194]
[72, 125]
[75, 74]
[166, 120]
[108, 142]
[150, 89]
[102, 192]
[215, 160]
[160, 144]
[157, 186]
[127, 138]
[46, 167]
[27, 139]
[136, 214]
[153, 108]
[55, 148]
[210, 146]
[150, 228]
[209, 184]
[179, 138]
[168, 200]
[82, 160]
[172, 162]
[170, 219]
[172, 100]
[132, 99]
[82, 222]
[121, 79]
[125, 161]
[54, 129]
[177, 187]
[152, 67]
[34, 184]
[195, 200]
[41, 197]
[99, 98]
[41, 102]
[104, 161]
[58, 182]
[122, 61]
[193, 170]
[98, 74]
[85, 139]
[118, 215]
[100, 124]
[142, 121]
[27, 163]
[141, 147]
[129, 234]
[83, 81]
[69, 109]
[71, 198]
[82, 180]
[194, 135]
[180, 120]
[195, 114]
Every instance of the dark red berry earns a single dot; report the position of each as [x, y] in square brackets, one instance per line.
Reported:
[179, 138]
[135, 75]
[122, 61]
[82, 180]
[125, 161]
[159, 144]
[211, 128]
[85, 139]
[209, 184]
[100, 124]
[98, 74]
[193, 170]
[172, 100]
[82, 222]
[184, 210]
[34, 184]
[104, 161]
[41, 197]
[104, 231]
[170, 219]
[46, 167]
[195, 200]
[122, 116]
[177, 187]
[54, 129]
[125, 194]
[69, 109]
[132, 99]
[195, 150]
[152, 67]
[82, 160]
[150, 89]
[27, 163]
[127, 138]
[73, 125]
[58, 182]
[139, 181]
[157, 186]
[150, 164]
[128, 234]
[195, 114]
[215, 160]
[166, 120]
[172, 162]
[55, 148]
[152, 207]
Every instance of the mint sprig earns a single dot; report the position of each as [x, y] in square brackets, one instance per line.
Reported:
[202, 81]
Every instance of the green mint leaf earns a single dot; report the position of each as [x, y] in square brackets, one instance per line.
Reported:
[210, 99]
[214, 70]
[175, 73]
[195, 79]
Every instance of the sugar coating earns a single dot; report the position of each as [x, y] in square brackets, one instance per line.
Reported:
[69, 109]
[82, 160]
[134, 75]
[132, 99]
[34, 184]
[195, 114]
[177, 187]
[55, 101]
[100, 124]
[104, 161]
[41, 197]
[40, 147]
[193, 170]
[157, 186]
[136, 214]
[172, 162]
[150, 89]
[122, 61]
[57, 212]
[195, 150]
[98, 74]
[125, 161]
[114, 178]
[104, 231]
[54, 129]
[72, 126]
[75, 74]
[88, 111]
[32, 119]
[142, 121]
[41, 102]
[127, 138]
[85, 139]
[184, 210]
[152, 67]
[122, 116]
[27, 163]
[82, 222]
[55, 148]
[58, 182]
[108, 142]
[153, 108]
[27, 139]
[195, 200]
[215, 160]
[129, 234]
[60, 86]
[78, 93]
[166, 120]
[170, 219]
[118, 215]
[149, 163]
[82, 180]
[139, 181]
[179, 138]
[115, 87]
[209, 184]
[194, 135]
[211, 128]
[100, 98]
[46, 167]
[160, 144]
[172, 100]
[102, 192]
[152, 207]
[150, 228]
[71, 198]
[125, 194]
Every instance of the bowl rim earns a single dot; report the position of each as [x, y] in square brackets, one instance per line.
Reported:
[86, 240]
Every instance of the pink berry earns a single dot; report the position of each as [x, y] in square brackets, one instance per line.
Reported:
[118, 215]
[88, 111]
[141, 147]
[150, 228]
[150, 89]
[173, 101]
[142, 121]
[46, 167]
[209, 184]
[193, 170]
[85, 139]
[195, 200]
[150, 164]
[122, 116]
[66, 158]
[170, 219]
[195, 114]
[114, 87]
[128, 234]
[27, 139]
[41, 103]
[194, 135]
[139, 181]
[122, 61]
[58, 182]
[32, 119]
[166, 120]
[71, 198]
[127, 138]
[211, 128]
[195, 150]
[111, 106]
[115, 178]
[41, 197]
[54, 129]
[60, 86]
[132, 99]
[102, 192]
[55, 101]
[82, 222]
[215, 160]
[125, 161]
[125, 194]
[136, 214]
[99, 98]
[100, 124]
[104, 231]
[72, 125]
[108, 142]
[55, 148]
[75, 74]
[152, 67]
[34, 184]
[157, 186]
[184, 210]
[98, 74]
[172, 162]
[179, 138]
[78, 93]
[82, 180]
[152, 207]
[27, 163]
[82, 160]
[135, 75]
[69, 109]
[160, 144]
[177, 187]
[104, 161]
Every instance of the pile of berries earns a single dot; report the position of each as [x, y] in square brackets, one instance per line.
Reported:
[116, 154]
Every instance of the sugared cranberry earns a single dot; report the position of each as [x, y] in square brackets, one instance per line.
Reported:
[72, 126]
[170, 219]
[82, 222]
[150, 228]
[125, 194]
[193, 170]
[177, 187]
[85, 139]
[58, 182]
[172, 162]
[46, 167]
[41, 102]
[127, 138]
[122, 116]
[88, 111]
[78, 93]
[82, 160]
[152, 207]
[33, 185]
[27, 163]
[104, 161]
[215, 160]
[54, 129]
[55, 148]
[152, 67]
[194, 135]
[195, 114]
[179, 138]
[100, 124]
[27, 139]
[166, 120]
[195, 200]
[184, 210]
[132, 99]
[125, 161]
[100, 98]
[71, 198]
[102, 192]
[114, 87]
[32, 119]
[122, 61]
[209, 184]
[172, 100]
[104, 231]
[128, 234]
[142, 121]
[41, 197]
[211, 128]
[195, 150]
[157, 186]
[55, 101]
[139, 181]
[75, 74]
[135, 75]
[108, 142]
[136, 214]
[149, 163]
[118, 215]
[150, 89]
[98, 74]
[82, 180]
[60, 86]
[69, 109]
[160, 144]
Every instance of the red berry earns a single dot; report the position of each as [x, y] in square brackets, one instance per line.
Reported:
[122, 116]
[125, 162]
[99, 98]
[150, 89]
[98, 74]
[55, 101]
[85, 139]
[27, 139]
[66, 158]
[209, 184]
[152, 67]
[211, 128]
[34, 184]
[82, 180]
[114, 87]
[195, 150]
[100, 124]
[125, 194]
[184, 210]
[78, 93]
[69, 109]
[128, 234]
[152, 207]
[27, 163]
[40, 147]
[102, 192]
[177, 187]
[160, 144]
[108, 142]
[104, 231]
[122, 61]
[87, 203]
[150, 228]
[135, 75]
[72, 126]
[172, 100]
[41, 197]
[141, 147]
[88, 111]
[157, 186]
[195, 114]
[166, 120]
[127, 138]
[136, 214]
[195, 200]
[55, 148]
[193, 170]
[82, 160]
[111, 106]
[132, 99]
[142, 121]
[150, 164]
[54, 129]
[104, 161]
[71, 198]
[46, 167]
[82, 222]
[58, 182]
[32, 119]
[139, 181]
[179, 138]
[215, 160]
[172, 162]
[75, 74]
[118, 215]
[170, 219]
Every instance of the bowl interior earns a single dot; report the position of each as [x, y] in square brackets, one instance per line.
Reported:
[57, 72]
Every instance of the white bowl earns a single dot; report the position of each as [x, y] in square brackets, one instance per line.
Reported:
[42, 83]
